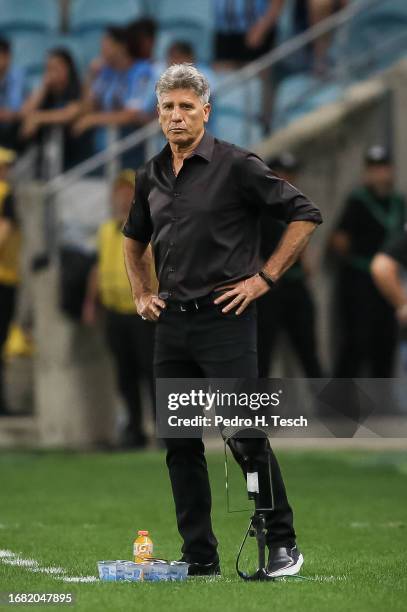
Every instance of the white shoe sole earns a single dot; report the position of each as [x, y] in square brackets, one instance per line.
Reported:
[292, 570]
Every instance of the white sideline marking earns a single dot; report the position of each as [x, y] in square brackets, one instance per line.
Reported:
[80, 579]
[8, 557]
[327, 578]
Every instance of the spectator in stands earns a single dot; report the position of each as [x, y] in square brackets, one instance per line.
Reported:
[115, 94]
[12, 90]
[141, 38]
[373, 212]
[181, 52]
[244, 30]
[310, 12]
[289, 308]
[9, 259]
[55, 103]
[129, 337]
[388, 269]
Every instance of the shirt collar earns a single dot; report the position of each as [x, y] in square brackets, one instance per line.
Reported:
[204, 148]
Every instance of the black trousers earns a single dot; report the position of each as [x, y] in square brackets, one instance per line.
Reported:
[206, 343]
[7, 304]
[368, 328]
[289, 308]
[131, 341]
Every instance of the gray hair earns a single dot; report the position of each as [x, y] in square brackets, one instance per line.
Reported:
[183, 76]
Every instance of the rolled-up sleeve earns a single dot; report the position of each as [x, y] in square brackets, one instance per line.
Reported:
[264, 189]
[138, 225]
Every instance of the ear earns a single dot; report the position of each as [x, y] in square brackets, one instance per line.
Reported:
[207, 111]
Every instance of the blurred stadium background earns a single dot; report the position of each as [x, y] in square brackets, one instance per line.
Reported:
[329, 87]
[332, 83]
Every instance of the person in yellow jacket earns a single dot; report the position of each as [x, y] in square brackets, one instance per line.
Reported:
[9, 259]
[129, 338]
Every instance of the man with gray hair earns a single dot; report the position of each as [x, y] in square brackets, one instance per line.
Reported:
[198, 202]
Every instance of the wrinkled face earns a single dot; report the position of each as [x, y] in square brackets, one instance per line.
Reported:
[122, 197]
[57, 72]
[380, 178]
[182, 116]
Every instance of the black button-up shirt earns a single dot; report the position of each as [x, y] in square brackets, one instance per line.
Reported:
[204, 223]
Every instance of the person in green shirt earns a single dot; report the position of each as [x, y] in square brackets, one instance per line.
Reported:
[367, 326]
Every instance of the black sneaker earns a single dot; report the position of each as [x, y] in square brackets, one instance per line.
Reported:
[203, 569]
[284, 561]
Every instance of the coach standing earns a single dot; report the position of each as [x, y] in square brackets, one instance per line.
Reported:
[198, 202]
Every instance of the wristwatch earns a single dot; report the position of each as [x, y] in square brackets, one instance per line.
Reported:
[267, 279]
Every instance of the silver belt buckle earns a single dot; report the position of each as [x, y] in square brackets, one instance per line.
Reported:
[182, 308]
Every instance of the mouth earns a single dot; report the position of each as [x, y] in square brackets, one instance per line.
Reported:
[177, 129]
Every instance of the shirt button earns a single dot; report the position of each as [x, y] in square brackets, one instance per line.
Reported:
[172, 243]
[171, 269]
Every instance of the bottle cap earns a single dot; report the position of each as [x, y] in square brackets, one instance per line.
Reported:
[144, 533]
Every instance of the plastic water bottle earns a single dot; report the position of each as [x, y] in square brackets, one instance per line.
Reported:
[142, 547]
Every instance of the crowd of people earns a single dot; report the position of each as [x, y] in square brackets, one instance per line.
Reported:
[118, 87]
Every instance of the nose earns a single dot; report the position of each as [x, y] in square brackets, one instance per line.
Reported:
[176, 115]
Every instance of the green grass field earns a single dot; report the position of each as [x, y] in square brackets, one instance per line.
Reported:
[70, 510]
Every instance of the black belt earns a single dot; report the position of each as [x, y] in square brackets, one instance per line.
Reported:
[192, 305]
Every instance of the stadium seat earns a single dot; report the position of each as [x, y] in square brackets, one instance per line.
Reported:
[88, 15]
[375, 38]
[29, 51]
[183, 12]
[235, 128]
[325, 93]
[245, 98]
[301, 94]
[236, 112]
[189, 20]
[89, 45]
[17, 15]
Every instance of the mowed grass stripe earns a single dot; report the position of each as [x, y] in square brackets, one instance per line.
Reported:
[70, 510]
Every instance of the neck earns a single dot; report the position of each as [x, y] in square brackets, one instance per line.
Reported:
[181, 151]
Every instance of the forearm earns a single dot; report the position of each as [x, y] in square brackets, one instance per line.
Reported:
[34, 101]
[137, 257]
[122, 117]
[8, 115]
[58, 116]
[289, 249]
[385, 272]
[92, 287]
[273, 12]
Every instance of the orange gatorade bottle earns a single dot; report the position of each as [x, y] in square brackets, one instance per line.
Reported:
[142, 547]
